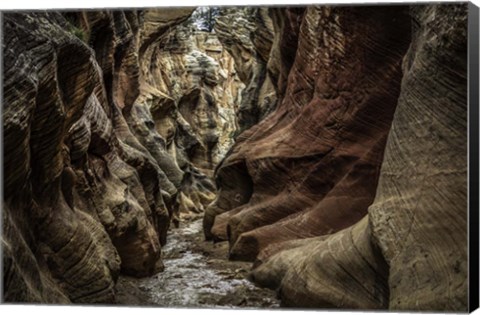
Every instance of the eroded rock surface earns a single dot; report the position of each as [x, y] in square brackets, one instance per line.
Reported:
[248, 34]
[93, 172]
[346, 182]
[312, 166]
[193, 92]
[305, 193]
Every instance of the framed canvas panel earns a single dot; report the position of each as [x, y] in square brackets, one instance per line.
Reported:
[314, 156]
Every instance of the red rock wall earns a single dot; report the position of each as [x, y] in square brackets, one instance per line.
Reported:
[336, 215]
[314, 162]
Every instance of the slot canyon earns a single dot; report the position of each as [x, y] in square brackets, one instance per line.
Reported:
[266, 157]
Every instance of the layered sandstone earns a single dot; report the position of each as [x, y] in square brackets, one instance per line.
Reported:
[85, 197]
[247, 34]
[313, 164]
[346, 182]
[336, 215]
[114, 123]
[192, 90]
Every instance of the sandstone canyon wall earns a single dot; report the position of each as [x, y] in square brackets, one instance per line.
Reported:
[247, 34]
[192, 91]
[352, 192]
[343, 131]
[113, 122]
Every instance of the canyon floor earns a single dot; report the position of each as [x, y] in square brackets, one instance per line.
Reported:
[197, 274]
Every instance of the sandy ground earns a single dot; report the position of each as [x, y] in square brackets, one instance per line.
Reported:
[197, 274]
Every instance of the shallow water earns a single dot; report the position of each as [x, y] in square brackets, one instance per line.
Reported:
[194, 277]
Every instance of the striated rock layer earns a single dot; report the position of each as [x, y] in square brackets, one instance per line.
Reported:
[192, 90]
[93, 171]
[305, 192]
[312, 165]
[247, 34]
[346, 182]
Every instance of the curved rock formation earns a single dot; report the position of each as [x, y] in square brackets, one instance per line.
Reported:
[83, 197]
[307, 174]
[114, 123]
[314, 162]
[344, 131]
[192, 90]
[247, 34]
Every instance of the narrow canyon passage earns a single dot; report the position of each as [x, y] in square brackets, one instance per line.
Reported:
[197, 274]
[203, 76]
[167, 156]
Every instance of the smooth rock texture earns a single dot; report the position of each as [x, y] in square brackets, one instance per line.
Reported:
[335, 215]
[313, 164]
